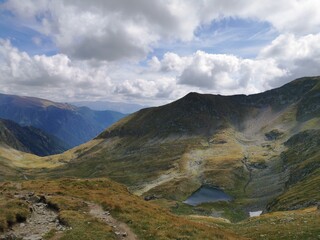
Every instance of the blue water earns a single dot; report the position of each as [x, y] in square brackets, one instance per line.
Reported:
[207, 194]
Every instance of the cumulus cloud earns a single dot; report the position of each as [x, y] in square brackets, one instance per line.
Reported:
[101, 42]
[288, 57]
[160, 88]
[224, 73]
[104, 30]
[41, 74]
[58, 77]
[119, 29]
[300, 56]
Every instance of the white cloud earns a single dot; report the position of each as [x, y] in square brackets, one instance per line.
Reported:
[288, 57]
[118, 29]
[300, 56]
[224, 73]
[60, 78]
[97, 38]
[165, 79]
[159, 88]
[39, 75]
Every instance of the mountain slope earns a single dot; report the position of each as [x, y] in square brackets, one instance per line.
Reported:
[241, 144]
[29, 139]
[72, 124]
[72, 199]
[204, 113]
[234, 142]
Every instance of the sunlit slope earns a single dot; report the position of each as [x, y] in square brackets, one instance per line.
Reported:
[70, 198]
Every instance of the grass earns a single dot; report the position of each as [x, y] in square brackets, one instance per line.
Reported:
[302, 194]
[12, 211]
[300, 224]
[226, 210]
[84, 227]
[146, 219]
[287, 225]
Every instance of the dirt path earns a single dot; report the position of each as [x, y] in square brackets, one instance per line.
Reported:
[121, 229]
[41, 221]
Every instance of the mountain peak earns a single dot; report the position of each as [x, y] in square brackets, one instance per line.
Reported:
[198, 113]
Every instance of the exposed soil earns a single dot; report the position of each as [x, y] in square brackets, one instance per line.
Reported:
[41, 221]
[121, 229]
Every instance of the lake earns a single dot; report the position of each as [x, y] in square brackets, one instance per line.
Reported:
[207, 194]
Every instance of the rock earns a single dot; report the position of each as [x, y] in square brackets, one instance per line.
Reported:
[34, 199]
[151, 197]
[33, 237]
[22, 225]
[273, 135]
[30, 194]
[9, 236]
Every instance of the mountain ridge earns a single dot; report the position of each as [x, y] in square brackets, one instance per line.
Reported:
[75, 125]
[187, 110]
[29, 139]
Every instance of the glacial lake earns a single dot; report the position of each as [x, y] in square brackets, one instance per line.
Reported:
[207, 194]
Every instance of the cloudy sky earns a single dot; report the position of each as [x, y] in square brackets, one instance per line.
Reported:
[153, 52]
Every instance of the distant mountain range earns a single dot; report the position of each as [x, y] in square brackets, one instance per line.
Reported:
[114, 106]
[29, 139]
[71, 124]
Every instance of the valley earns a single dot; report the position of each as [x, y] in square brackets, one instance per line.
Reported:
[262, 150]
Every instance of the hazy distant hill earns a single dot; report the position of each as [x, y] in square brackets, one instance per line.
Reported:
[114, 106]
[29, 139]
[73, 125]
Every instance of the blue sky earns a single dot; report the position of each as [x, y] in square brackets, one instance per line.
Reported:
[153, 53]
[241, 37]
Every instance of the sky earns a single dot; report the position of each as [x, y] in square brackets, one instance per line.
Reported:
[154, 52]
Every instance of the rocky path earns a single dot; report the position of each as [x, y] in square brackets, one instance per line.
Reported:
[121, 229]
[41, 221]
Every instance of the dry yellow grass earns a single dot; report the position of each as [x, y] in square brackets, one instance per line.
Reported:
[147, 220]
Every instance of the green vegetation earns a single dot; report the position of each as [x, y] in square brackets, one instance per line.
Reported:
[84, 227]
[12, 211]
[287, 225]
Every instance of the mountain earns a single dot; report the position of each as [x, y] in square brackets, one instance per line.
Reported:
[29, 139]
[262, 150]
[237, 143]
[73, 125]
[114, 106]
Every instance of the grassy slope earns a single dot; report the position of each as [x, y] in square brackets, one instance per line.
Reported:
[147, 220]
[303, 159]
[286, 225]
